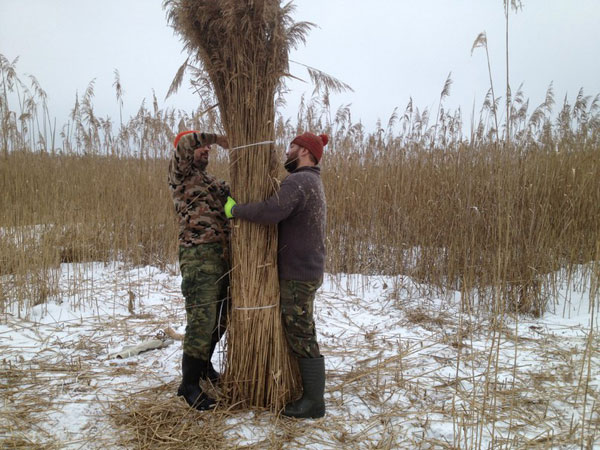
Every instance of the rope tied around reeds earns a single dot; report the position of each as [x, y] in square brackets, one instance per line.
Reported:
[251, 145]
[253, 308]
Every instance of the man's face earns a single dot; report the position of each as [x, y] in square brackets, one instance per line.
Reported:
[201, 157]
[292, 153]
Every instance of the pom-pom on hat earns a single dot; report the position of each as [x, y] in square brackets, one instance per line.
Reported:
[313, 143]
[180, 135]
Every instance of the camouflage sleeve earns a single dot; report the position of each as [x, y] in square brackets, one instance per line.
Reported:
[182, 159]
[225, 189]
[274, 209]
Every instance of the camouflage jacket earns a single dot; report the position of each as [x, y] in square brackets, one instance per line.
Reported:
[199, 198]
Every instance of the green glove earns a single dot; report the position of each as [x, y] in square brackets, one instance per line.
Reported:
[229, 206]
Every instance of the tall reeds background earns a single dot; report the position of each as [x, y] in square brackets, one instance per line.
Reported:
[420, 195]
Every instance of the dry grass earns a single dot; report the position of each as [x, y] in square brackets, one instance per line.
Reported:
[469, 219]
[466, 219]
[392, 383]
[79, 208]
[410, 197]
[492, 222]
[155, 420]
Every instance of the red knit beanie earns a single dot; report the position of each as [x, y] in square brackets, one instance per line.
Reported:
[313, 143]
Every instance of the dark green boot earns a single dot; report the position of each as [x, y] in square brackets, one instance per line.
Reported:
[312, 404]
[192, 369]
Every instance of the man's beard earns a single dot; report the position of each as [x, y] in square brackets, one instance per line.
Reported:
[200, 165]
[291, 164]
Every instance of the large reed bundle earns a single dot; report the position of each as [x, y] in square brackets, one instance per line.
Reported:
[243, 46]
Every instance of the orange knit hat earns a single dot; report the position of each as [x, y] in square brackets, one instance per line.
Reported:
[180, 135]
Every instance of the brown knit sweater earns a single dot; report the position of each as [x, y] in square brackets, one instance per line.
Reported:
[300, 211]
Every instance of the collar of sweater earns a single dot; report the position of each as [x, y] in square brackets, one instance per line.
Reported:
[314, 169]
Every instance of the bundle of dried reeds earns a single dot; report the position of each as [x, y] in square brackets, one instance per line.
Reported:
[243, 46]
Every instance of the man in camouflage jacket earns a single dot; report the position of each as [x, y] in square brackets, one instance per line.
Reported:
[203, 258]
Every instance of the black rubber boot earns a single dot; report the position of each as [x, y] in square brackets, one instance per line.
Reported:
[312, 403]
[189, 389]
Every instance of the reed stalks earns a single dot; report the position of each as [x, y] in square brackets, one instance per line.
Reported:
[457, 213]
[503, 226]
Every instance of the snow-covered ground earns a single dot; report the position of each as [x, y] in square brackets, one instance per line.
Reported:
[407, 367]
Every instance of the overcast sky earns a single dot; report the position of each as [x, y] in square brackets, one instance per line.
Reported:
[387, 50]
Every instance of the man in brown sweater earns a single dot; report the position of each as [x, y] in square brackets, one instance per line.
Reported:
[300, 210]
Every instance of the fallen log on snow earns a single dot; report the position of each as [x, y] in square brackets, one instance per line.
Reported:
[133, 350]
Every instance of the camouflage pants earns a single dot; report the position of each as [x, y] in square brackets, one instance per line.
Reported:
[205, 285]
[297, 299]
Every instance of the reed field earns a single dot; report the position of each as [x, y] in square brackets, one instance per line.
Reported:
[485, 217]
[451, 202]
